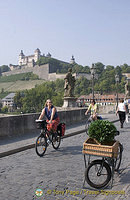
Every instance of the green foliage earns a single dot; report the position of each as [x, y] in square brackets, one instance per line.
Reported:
[125, 68]
[34, 100]
[99, 69]
[3, 94]
[16, 77]
[102, 130]
[18, 99]
[4, 109]
[106, 80]
[4, 68]
[0, 106]
[82, 86]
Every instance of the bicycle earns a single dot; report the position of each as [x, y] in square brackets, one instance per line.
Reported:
[46, 137]
[98, 173]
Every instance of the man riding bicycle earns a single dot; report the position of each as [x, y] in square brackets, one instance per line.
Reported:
[93, 107]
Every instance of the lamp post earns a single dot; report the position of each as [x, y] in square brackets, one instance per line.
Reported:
[117, 81]
[92, 69]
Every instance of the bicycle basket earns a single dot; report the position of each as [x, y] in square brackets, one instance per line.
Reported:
[41, 124]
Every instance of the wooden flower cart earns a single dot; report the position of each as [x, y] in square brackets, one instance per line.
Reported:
[98, 173]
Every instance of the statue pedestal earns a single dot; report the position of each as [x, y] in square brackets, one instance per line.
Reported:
[69, 102]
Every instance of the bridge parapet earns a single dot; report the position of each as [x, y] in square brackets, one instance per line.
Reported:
[25, 123]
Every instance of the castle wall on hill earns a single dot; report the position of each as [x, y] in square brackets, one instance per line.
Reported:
[45, 72]
[42, 71]
[54, 76]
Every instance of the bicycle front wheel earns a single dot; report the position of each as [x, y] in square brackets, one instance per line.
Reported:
[41, 145]
[98, 174]
[87, 126]
[56, 140]
[119, 157]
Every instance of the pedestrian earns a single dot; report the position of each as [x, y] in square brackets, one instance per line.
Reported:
[121, 111]
[127, 111]
[52, 116]
[93, 109]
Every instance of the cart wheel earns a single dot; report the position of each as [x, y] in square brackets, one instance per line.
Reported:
[98, 174]
[119, 157]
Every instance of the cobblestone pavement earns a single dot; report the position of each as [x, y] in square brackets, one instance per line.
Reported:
[60, 173]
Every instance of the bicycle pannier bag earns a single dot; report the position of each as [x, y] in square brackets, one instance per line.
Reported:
[61, 129]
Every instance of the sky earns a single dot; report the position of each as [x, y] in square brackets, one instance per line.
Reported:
[91, 30]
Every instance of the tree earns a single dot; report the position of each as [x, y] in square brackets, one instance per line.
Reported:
[109, 67]
[99, 68]
[125, 68]
[2, 90]
[0, 106]
[4, 109]
[18, 99]
[4, 68]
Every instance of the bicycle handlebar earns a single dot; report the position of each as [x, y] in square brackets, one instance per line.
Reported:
[39, 120]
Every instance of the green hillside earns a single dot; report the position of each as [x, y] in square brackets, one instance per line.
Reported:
[19, 85]
[16, 77]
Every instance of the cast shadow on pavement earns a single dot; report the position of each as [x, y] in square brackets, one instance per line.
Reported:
[125, 176]
[68, 150]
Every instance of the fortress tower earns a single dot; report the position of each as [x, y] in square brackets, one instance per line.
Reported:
[37, 55]
[72, 61]
[21, 58]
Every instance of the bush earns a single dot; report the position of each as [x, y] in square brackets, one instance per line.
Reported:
[102, 130]
[4, 109]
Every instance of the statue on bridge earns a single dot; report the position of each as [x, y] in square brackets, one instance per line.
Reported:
[69, 84]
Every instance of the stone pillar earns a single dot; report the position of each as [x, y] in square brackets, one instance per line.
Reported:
[69, 102]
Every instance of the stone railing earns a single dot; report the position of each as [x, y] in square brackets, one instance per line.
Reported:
[25, 123]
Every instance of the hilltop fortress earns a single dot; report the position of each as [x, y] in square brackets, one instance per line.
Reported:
[28, 61]
[28, 64]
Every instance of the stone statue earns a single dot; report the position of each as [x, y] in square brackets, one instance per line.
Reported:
[69, 84]
[127, 89]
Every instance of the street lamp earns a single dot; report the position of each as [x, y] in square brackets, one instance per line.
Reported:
[117, 81]
[92, 69]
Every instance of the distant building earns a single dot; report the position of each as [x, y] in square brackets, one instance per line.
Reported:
[100, 99]
[29, 60]
[8, 100]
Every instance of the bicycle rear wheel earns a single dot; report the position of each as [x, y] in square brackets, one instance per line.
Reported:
[98, 174]
[56, 140]
[119, 157]
[41, 145]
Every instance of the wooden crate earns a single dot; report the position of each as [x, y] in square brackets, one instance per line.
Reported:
[92, 147]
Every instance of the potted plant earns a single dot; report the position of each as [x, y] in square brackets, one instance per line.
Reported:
[103, 131]
[101, 139]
